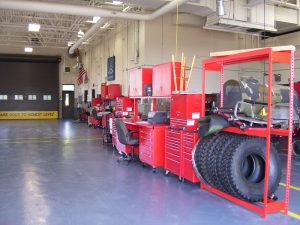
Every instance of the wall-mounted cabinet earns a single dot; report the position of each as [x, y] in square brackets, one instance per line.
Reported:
[139, 80]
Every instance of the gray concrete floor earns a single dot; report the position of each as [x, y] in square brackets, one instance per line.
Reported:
[59, 173]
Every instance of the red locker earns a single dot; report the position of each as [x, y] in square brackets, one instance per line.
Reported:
[152, 145]
[104, 91]
[114, 91]
[185, 110]
[124, 106]
[163, 79]
[139, 79]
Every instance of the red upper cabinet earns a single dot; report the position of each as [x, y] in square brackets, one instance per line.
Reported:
[163, 79]
[139, 79]
[114, 91]
[104, 91]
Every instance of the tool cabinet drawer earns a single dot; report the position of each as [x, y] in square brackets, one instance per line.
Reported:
[172, 166]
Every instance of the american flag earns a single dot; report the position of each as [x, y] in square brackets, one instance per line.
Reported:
[82, 75]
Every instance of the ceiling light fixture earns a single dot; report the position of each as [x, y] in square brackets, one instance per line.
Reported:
[117, 2]
[126, 9]
[34, 27]
[80, 33]
[106, 25]
[28, 49]
[95, 19]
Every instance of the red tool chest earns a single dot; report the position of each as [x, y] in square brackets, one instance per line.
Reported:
[163, 79]
[124, 105]
[139, 79]
[189, 140]
[96, 101]
[114, 91]
[104, 91]
[185, 110]
[152, 145]
[178, 157]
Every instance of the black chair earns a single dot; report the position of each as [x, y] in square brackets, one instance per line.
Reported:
[126, 138]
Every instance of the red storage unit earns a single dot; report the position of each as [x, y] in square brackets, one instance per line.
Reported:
[139, 79]
[114, 91]
[124, 105]
[178, 157]
[152, 145]
[104, 91]
[189, 140]
[163, 79]
[173, 151]
[185, 110]
[96, 101]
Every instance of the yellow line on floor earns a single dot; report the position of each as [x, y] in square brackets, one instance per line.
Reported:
[291, 186]
[40, 138]
[294, 215]
[52, 141]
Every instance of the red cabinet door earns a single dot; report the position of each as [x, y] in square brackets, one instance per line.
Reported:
[163, 79]
[114, 91]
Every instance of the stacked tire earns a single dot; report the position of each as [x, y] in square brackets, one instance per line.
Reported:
[235, 164]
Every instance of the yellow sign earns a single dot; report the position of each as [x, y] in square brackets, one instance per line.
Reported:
[28, 115]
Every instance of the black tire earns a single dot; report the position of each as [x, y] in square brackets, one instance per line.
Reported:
[199, 158]
[245, 169]
[214, 159]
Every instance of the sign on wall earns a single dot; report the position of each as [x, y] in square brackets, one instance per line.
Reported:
[28, 115]
[111, 63]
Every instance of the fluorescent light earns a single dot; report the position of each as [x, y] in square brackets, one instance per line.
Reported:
[34, 27]
[117, 2]
[95, 19]
[70, 43]
[126, 8]
[28, 49]
[106, 25]
[80, 33]
[85, 42]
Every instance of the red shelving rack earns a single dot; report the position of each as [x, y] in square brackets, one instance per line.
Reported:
[270, 55]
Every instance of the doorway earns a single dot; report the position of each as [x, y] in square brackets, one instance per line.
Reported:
[68, 101]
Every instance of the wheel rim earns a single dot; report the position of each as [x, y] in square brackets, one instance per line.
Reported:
[253, 168]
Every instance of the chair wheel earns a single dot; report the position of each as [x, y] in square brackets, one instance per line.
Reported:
[153, 170]
[144, 165]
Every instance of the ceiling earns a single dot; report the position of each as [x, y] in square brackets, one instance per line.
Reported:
[56, 29]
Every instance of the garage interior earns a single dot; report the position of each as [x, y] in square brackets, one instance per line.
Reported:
[153, 112]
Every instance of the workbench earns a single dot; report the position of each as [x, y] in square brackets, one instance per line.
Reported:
[151, 149]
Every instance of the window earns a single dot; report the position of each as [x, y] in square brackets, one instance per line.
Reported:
[68, 87]
[67, 100]
[3, 97]
[47, 97]
[86, 93]
[31, 97]
[18, 97]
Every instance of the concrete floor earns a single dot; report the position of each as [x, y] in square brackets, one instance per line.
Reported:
[59, 173]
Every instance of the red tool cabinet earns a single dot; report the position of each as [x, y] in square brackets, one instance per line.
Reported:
[114, 91]
[124, 105]
[163, 79]
[96, 101]
[104, 91]
[152, 145]
[185, 110]
[139, 79]
[178, 157]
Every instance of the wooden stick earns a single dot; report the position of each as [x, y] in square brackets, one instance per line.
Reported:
[181, 72]
[174, 72]
[191, 71]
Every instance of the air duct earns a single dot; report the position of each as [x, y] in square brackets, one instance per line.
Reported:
[50, 7]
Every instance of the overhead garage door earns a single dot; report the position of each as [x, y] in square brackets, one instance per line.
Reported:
[29, 87]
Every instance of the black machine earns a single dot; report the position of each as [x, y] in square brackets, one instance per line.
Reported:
[158, 117]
